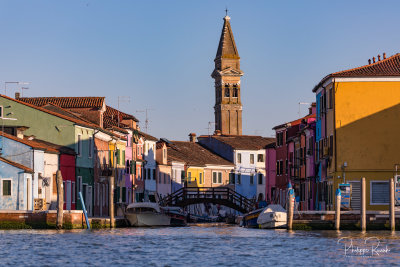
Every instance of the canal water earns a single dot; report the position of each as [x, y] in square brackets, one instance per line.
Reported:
[197, 245]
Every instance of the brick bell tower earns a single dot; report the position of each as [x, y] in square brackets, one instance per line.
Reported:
[227, 73]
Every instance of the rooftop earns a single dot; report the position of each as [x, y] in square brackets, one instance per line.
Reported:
[19, 166]
[243, 142]
[194, 154]
[387, 67]
[66, 102]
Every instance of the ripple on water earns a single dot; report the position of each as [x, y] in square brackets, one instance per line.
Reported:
[203, 245]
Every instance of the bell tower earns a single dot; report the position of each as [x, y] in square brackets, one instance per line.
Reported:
[227, 73]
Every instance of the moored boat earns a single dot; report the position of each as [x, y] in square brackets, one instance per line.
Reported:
[250, 219]
[273, 216]
[146, 214]
[177, 215]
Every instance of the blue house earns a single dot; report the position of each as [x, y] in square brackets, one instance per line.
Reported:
[22, 171]
[248, 154]
[15, 180]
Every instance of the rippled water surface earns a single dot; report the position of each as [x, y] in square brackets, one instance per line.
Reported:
[197, 245]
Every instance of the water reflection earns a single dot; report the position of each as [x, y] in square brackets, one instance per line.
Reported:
[197, 245]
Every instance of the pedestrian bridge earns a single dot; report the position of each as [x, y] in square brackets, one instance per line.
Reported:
[215, 195]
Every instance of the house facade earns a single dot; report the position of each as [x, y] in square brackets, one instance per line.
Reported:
[357, 121]
[247, 153]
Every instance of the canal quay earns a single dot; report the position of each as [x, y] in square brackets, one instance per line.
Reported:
[197, 245]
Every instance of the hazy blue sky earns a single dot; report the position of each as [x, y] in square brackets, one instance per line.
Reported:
[160, 53]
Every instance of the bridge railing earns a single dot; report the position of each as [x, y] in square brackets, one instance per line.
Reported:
[221, 193]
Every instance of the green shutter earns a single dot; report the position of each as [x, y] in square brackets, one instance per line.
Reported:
[123, 156]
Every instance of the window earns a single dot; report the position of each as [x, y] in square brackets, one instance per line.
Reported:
[165, 153]
[226, 90]
[279, 139]
[260, 158]
[260, 178]
[165, 178]
[90, 144]
[79, 148]
[239, 178]
[235, 91]
[239, 158]
[217, 177]
[251, 158]
[1, 111]
[251, 178]
[189, 177]
[123, 157]
[159, 177]
[379, 193]
[6, 188]
[200, 178]
[154, 174]
[331, 145]
[145, 174]
[278, 167]
[330, 98]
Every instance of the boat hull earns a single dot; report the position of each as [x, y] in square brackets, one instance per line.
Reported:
[272, 225]
[148, 219]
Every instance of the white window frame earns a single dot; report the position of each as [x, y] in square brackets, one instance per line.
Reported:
[370, 191]
[217, 176]
[1, 186]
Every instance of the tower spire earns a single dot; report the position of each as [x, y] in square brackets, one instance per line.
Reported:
[227, 73]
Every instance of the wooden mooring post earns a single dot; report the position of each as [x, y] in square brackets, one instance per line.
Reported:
[290, 210]
[392, 214]
[111, 201]
[363, 214]
[60, 200]
[338, 204]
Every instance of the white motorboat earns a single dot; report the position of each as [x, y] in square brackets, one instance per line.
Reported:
[273, 216]
[146, 214]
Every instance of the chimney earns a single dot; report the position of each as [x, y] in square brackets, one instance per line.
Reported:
[192, 137]
[16, 95]
[369, 61]
[217, 132]
[384, 55]
[373, 59]
[379, 57]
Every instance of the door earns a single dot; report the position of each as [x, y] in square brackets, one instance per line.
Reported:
[68, 196]
[355, 199]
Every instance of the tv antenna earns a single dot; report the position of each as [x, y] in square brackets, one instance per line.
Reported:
[146, 122]
[209, 126]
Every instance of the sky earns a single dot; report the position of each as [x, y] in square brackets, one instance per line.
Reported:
[159, 55]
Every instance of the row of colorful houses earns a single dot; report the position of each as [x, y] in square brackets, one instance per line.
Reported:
[351, 132]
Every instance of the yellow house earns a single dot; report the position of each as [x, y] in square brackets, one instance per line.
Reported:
[195, 176]
[359, 116]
